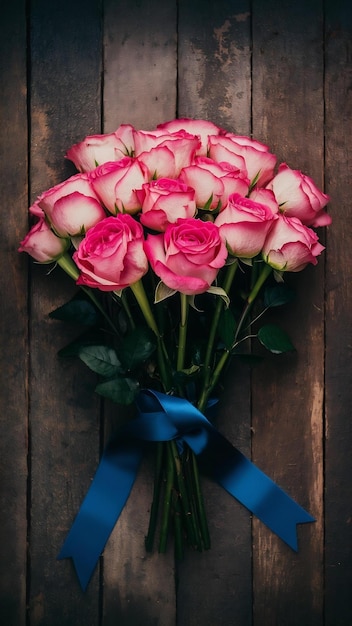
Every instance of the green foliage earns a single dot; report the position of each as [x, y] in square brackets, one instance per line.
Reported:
[101, 359]
[77, 311]
[137, 347]
[121, 390]
[278, 294]
[275, 339]
[227, 328]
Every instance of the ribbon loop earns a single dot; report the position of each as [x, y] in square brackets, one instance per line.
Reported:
[162, 418]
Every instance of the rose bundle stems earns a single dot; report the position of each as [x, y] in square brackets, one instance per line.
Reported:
[178, 494]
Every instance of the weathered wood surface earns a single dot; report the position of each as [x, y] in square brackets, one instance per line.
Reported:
[68, 69]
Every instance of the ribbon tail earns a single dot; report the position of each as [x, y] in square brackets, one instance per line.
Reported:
[102, 506]
[254, 489]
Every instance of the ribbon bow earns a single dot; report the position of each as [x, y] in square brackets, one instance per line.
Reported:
[162, 418]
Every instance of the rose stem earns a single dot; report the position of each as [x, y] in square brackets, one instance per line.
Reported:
[127, 309]
[190, 522]
[195, 499]
[200, 503]
[182, 332]
[266, 271]
[230, 274]
[264, 274]
[66, 263]
[141, 297]
[149, 540]
[165, 519]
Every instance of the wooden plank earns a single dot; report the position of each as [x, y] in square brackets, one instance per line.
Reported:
[13, 315]
[288, 113]
[338, 465]
[140, 63]
[215, 63]
[140, 89]
[64, 417]
[215, 587]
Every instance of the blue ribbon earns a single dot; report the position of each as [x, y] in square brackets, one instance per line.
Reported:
[162, 418]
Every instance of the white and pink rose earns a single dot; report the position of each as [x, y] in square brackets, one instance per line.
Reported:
[298, 196]
[290, 245]
[244, 224]
[164, 201]
[111, 256]
[188, 256]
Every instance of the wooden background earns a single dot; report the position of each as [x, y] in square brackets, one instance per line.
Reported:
[281, 71]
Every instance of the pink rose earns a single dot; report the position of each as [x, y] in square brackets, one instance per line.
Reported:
[111, 256]
[42, 244]
[200, 128]
[160, 162]
[35, 209]
[213, 182]
[250, 156]
[116, 184]
[298, 196]
[181, 144]
[188, 256]
[79, 183]
[244, 225]
[97, 149]
[165, 201]
[265, 196]
[290, 245]
[74, 214]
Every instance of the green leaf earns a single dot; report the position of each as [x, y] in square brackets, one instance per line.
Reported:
[120, 390]
[277, 295]
[78, 311]
[137, 347]
[101, 359]
[275, 339]
[227, 327]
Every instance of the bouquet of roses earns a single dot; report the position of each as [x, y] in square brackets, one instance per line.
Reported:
[174, 235]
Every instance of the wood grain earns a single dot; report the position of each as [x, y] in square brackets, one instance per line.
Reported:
[338, 462]
[13, 315]
[214, 83]
[64, 414]
[140, 72]
[288, 390]
[283, 74]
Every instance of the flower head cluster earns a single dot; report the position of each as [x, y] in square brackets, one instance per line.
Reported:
[179, 199]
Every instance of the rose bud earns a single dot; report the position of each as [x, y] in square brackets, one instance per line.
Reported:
[42, 244]
[290, 245]
[244, 225]
[298, 196]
